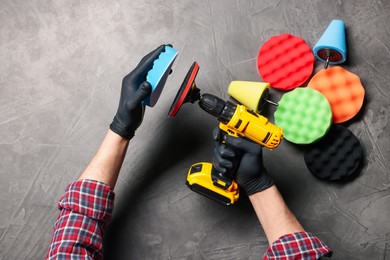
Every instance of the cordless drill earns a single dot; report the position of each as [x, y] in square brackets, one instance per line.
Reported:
[235, 120]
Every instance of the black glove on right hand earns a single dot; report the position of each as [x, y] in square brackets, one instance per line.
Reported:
[251, 174]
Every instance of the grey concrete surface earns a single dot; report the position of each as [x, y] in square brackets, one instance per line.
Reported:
[61, 66]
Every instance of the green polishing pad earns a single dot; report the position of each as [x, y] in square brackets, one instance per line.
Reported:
[304, 114]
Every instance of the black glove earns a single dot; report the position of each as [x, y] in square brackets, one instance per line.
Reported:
[135, 88]
[244, 156]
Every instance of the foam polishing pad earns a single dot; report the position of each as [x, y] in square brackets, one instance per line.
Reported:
[304, 114]
[158, 75]
[332, 44]
[188, 92]
[285, 61]
[253, 95]
[336, 156]
[343, 90]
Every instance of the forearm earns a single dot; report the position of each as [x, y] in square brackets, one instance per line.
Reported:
[107, 162]
[273, 214]
[86, 208]
[88, 203]
[286, 236]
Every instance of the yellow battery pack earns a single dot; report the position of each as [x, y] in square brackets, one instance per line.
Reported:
[199, 180]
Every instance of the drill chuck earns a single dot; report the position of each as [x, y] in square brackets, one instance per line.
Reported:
[212, 104]
[217, 107]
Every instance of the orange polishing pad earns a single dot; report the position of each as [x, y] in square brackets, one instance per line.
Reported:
[285, 61]
[343, 90]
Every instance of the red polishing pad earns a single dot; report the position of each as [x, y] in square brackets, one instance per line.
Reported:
[343, 90]
[188, 92]
[285, 61]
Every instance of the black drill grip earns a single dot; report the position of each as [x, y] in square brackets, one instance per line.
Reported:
[225, 180]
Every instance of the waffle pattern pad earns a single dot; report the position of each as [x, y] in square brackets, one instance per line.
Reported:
[304, 115]
[285, 61]
[343, 90]
[336, 156]
[158, 75]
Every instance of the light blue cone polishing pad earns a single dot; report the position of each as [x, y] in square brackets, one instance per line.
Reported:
[158, 75]
[332, 43]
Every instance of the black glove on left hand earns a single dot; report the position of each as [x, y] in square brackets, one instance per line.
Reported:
[135, 88]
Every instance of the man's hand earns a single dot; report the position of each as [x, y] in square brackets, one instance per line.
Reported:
[251, 174]
[135, 88]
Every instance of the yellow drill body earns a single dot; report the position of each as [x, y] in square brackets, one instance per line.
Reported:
[248, 124]
[245, 124]
[235, 120]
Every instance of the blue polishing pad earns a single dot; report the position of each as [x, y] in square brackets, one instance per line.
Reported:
[158, 75]
[332, 42]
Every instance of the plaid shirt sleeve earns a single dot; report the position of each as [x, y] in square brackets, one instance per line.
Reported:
[86, 208]
[300, 245]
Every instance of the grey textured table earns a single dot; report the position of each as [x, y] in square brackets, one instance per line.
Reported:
[62, 63]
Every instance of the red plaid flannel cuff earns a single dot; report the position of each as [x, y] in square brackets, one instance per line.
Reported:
[300, 245]
[91, 198]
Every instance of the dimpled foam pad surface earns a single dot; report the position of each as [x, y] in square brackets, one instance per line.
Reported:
[158, 75]
[304, 114]
[343, 90]
[285, 61]
[336, 156]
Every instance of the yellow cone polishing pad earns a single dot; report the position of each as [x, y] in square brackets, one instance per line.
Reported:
[251, 94]
[304, 114]
[343, 90]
